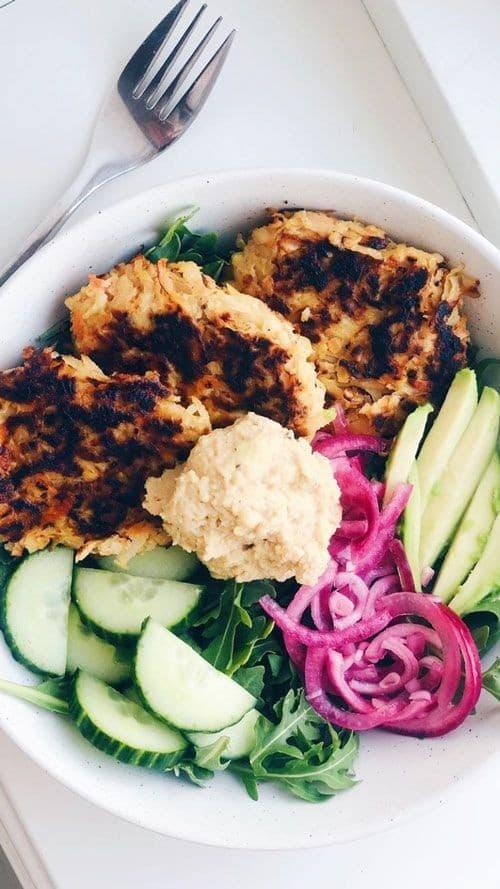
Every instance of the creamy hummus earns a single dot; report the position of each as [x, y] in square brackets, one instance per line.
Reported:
[252, 501]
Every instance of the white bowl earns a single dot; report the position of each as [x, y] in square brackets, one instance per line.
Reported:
[398, 776]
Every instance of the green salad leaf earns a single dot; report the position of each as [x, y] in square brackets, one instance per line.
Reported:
[279, 674]
[228, 623]
[179, 243]
[52, 694]
[209, 757]
[491, 679]
[488, 373]
[484, 621]
[57, 336]
[200, 763]
[7, 566]
[195, 773]
[251, 678]
[300, 751]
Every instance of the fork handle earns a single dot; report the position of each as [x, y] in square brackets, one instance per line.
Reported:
[86, 183]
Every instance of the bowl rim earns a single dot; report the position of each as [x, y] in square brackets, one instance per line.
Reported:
[99, 219]
[225, 176]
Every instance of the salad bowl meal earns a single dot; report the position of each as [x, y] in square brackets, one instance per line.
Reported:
[250, 508]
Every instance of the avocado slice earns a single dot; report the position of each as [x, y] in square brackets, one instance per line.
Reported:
[484, 578]
[404, 449]
[449, 426]
[411, 526]
[450, 497]
[472, 533]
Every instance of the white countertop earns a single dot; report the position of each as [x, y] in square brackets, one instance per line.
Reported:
[308, 83]
[447, 54]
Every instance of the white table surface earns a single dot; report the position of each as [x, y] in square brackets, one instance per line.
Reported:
[308, 83]
[447, 53]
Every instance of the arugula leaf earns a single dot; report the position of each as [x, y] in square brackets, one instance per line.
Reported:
[491, 679]
[251, 678]
[7, 565]
[50, 695]
[484, 621]
[179, 243]
[228, 623]
[209, 757]
[57, 336]
[215, 268]
[280, 675]
[196, 774]
[222, 630]
[488, 373]
[246, 638]
[248, 779]
[301, 752]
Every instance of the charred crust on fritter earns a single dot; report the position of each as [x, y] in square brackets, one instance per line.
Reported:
[169, 428]
[406, 285]
[69, 418]
[374, 243]
[174, 334]
[450, 354]
[385, 320]
[352, 279]
[100, 417]
[254, 368]
[277, 304]
[315, 264]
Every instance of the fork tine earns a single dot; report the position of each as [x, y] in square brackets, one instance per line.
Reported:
[155, 88]
[194, 98]
[138, 67]
[183, 73]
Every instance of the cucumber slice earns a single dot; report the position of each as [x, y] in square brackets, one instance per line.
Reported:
[484, 578]
[451, 497]
[411, 526]
[88, 652]
[163, 563]
[472, 534]
[34, 610]
[241, 737]
[450, 424]
[116, 605]
[122, 728]
[405, 449]
[179, 686]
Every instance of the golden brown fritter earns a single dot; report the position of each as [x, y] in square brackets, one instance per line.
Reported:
[75, 450]
[386, 320]
[227, 349]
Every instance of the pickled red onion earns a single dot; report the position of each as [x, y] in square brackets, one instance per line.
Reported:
[364, 665]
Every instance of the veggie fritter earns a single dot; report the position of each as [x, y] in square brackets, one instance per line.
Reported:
[75, 449]
[386, 321]
[227, 349]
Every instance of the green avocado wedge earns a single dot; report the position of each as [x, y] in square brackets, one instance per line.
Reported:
[472, 533]
[405, 449]
[411, 528]
[451, 496]
[484, 577]
[450, 424]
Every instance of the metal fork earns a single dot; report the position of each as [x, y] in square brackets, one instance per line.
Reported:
[149, 93]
